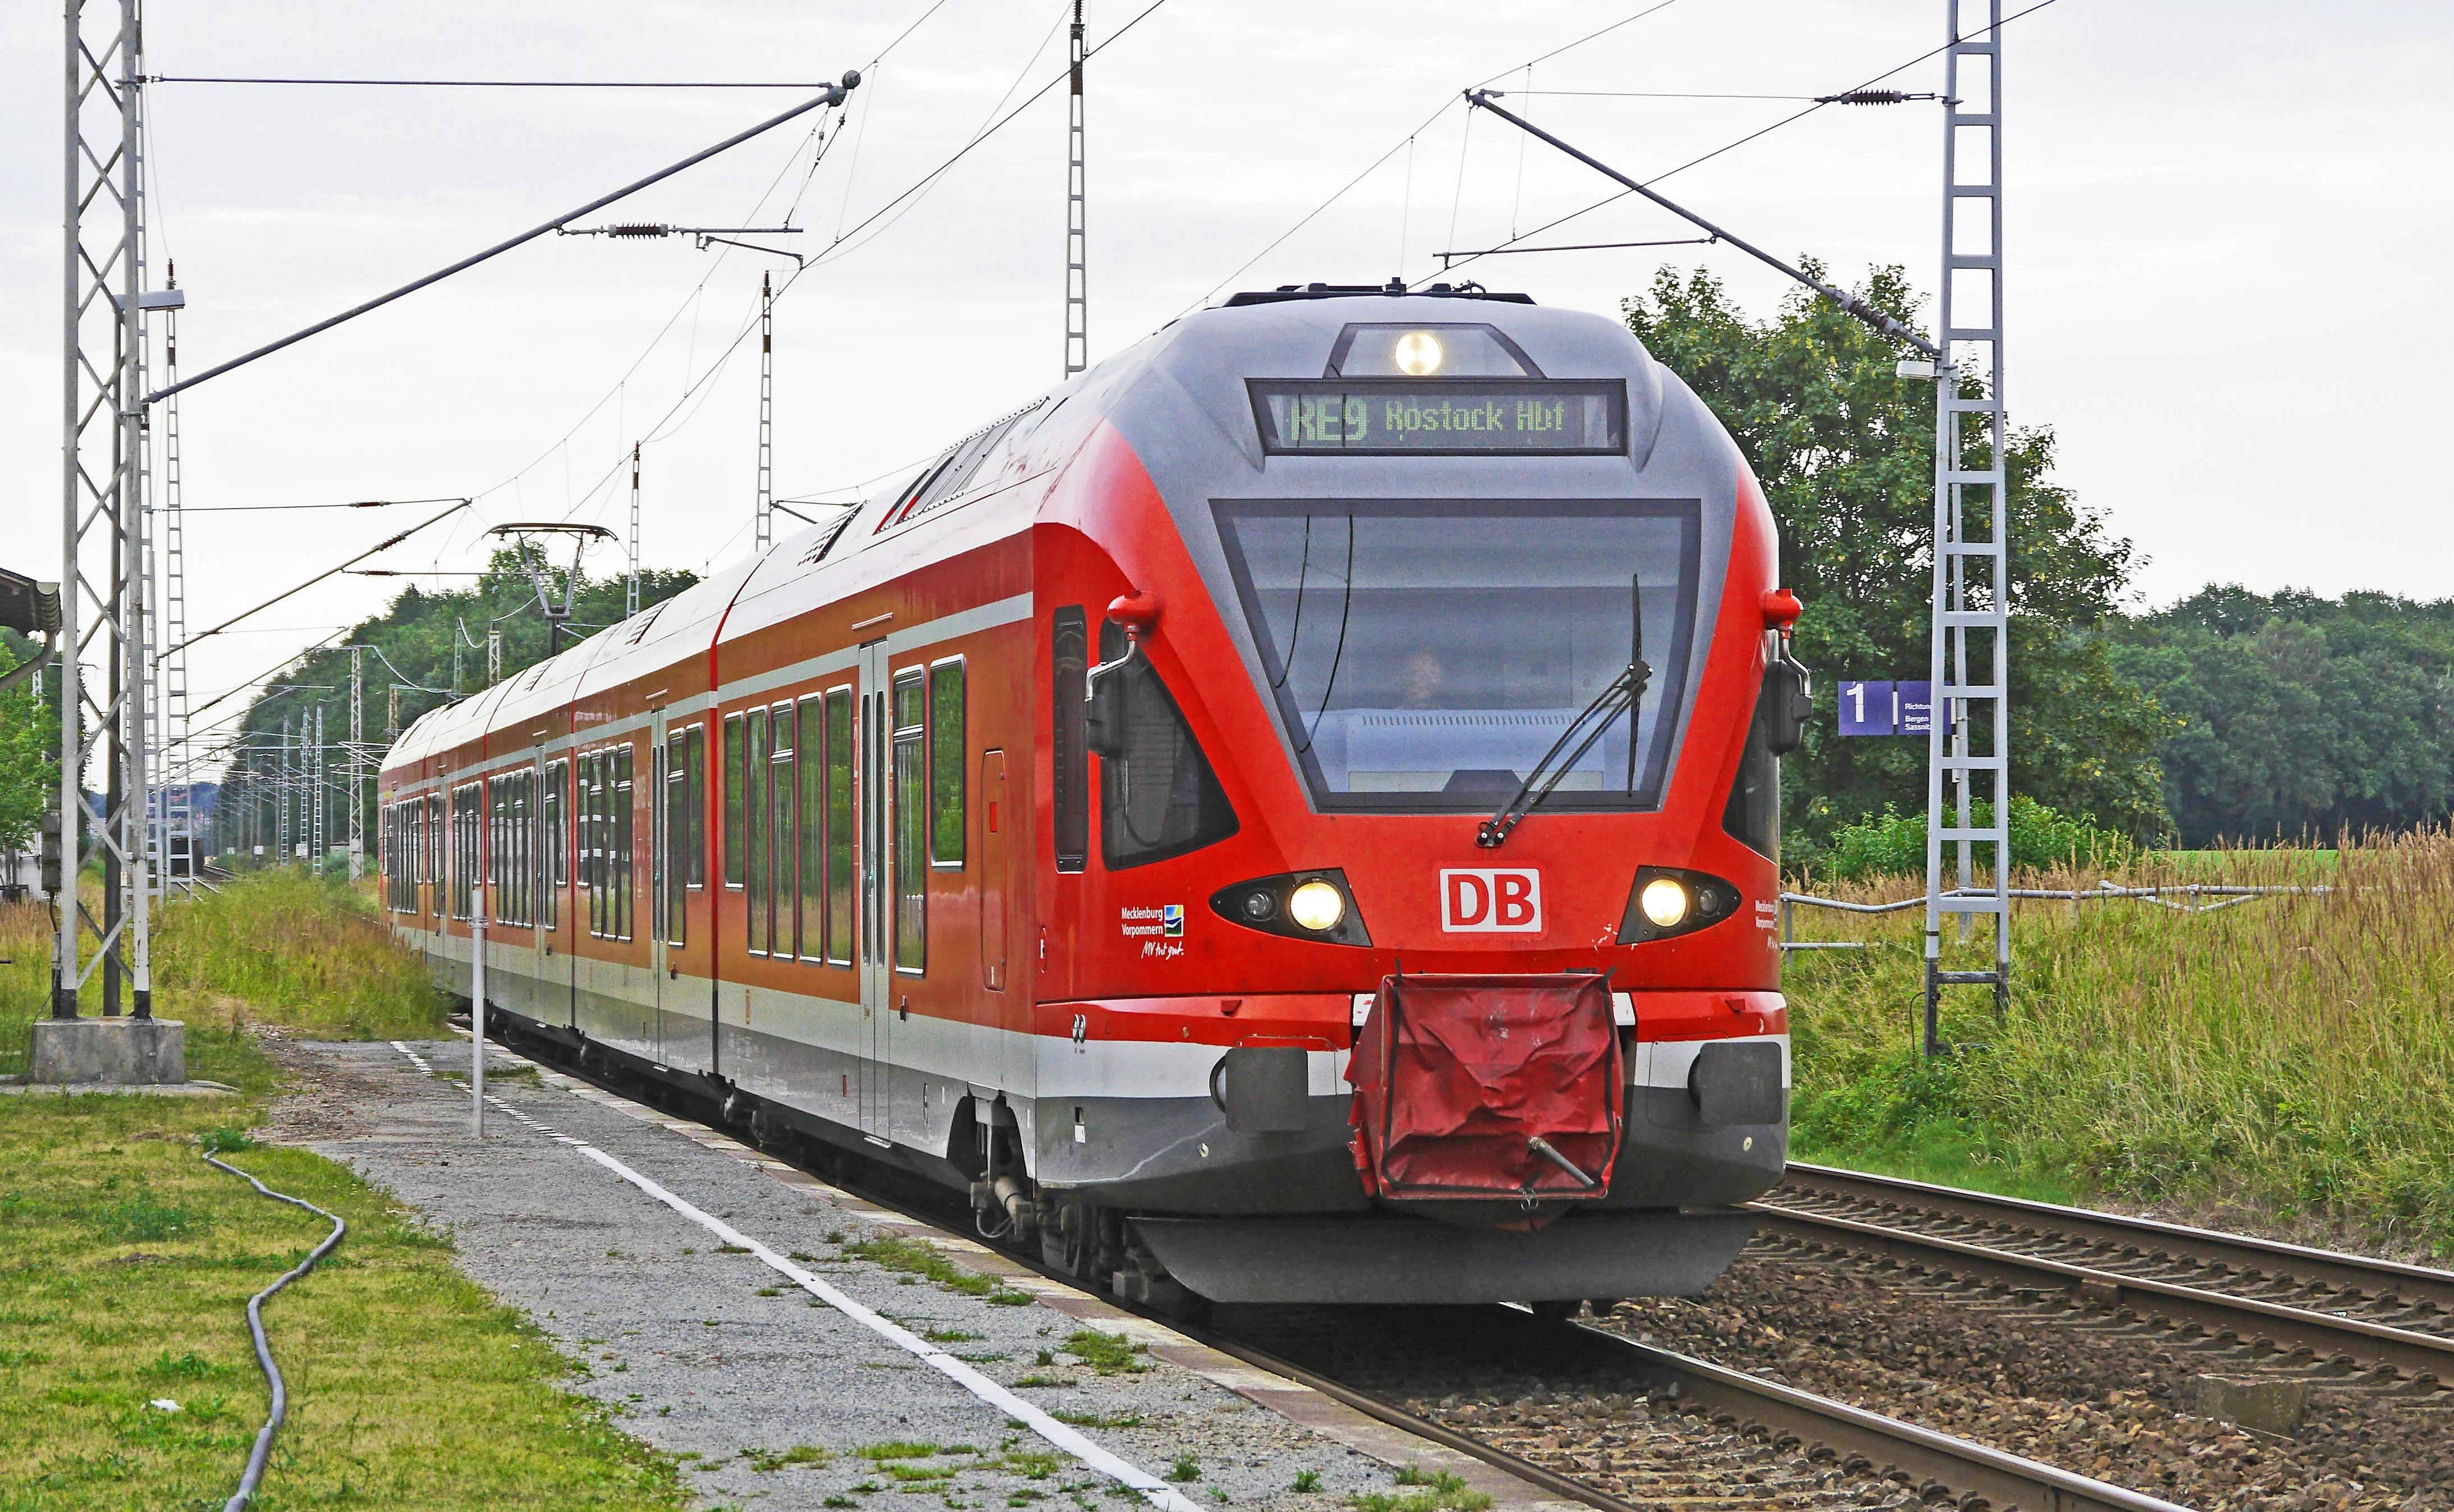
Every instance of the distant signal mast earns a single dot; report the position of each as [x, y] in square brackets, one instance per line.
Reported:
[1077, 304]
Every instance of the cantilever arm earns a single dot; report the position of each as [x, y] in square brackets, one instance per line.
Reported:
[1881, 320]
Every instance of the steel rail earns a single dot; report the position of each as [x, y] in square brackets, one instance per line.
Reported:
[2245, 1253]
[2248, 1319]
[1956, 1466]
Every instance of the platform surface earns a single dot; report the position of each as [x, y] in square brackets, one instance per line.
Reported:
[713, 1357]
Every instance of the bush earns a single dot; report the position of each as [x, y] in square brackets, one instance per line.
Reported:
[1892, 844]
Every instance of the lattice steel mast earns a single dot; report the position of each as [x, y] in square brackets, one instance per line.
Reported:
[630, 589]
[102, 570]
[766, 533]
[1971, 670]
[176, 853]
[1077, 306]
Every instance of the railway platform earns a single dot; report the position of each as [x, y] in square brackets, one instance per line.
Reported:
[797, 1346]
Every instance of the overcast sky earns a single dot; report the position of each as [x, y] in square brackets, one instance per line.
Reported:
[2228, 228]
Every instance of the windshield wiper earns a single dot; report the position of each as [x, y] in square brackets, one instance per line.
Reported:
[1620, 698]
[1625, 693]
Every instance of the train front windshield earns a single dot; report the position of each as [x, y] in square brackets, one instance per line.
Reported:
[1423, 657]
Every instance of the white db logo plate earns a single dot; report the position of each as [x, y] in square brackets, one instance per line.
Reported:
[1491, 900]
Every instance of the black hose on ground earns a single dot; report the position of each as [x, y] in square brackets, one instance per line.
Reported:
[255, 1459]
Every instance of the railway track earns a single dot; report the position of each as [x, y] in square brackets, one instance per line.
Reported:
[2340, 1310]
[1692, 1434]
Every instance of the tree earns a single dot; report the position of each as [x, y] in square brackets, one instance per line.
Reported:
[414, 642]
[30, 746]
[1844, 448]
[2297, 716]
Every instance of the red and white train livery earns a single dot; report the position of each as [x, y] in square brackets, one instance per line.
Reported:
[1290, 815]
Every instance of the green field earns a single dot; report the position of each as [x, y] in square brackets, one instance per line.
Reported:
[2287, 1062]
[126, 1263]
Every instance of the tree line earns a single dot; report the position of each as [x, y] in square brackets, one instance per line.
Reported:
[2230, 716]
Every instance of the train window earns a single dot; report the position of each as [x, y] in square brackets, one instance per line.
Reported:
[1425, 657]
[759, 868]
[909, 799]
[735, 783]
[672, 839]
[619, 798]
[786, 832]
[1752, 816]
[695, 802]
[809, 904]
[558, 839]
[1158, 796]
[1068, 646]
[591, 836]
[465, 819]
[841, 838]
[946, 765]
[436, 842]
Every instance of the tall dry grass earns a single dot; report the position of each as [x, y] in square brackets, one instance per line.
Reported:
[2290, 1060]
[277, 947]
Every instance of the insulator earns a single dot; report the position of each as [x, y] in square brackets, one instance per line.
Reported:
[1870, 97]
[636, 229]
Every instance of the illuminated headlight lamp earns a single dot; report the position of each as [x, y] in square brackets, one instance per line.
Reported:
[1316, 906]
[1664, 901]
[1313, 906]
[1669, 900]
[1418, 354]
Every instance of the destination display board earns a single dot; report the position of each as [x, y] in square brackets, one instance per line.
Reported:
[1456, 416]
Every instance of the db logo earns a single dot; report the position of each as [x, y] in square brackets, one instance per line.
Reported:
[1491, 901]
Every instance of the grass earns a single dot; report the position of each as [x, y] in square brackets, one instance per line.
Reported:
[919, 1261]
[2287, 1062]
[1434, 1491]
[126, 1263]
[278, 947]
[1108, 1354]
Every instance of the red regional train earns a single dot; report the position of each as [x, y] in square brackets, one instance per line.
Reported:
[1290, 816]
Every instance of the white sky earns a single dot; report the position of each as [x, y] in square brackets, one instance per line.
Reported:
[2227, 231]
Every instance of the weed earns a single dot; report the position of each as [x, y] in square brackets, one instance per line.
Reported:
[800, 1454]
[838, 1499]
[1108, 1354]
[733, 1249]
[188, 1366]
[223, 1140]
[1442, 1492]
[950, 1336]
[1185, 1470]
[1093, 1419]
[898, 1449]
[1043, 1357]
[1037, 1379]
[770, 1291]
[1307, 1481]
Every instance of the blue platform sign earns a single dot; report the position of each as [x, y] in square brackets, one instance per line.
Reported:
[1917, 707]
[1868, 708]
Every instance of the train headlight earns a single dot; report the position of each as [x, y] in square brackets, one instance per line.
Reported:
[1418, 354]
[1316, 906]
[1259, 905]
[1664, 901]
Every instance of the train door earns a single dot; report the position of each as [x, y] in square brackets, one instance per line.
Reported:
[875, 966]
[540, 877]
[661, 860]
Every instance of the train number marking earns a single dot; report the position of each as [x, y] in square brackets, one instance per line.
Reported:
[1491, 900]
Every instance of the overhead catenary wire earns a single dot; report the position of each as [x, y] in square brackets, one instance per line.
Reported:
[834, 95]
[1821, 102]
[383, 545]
